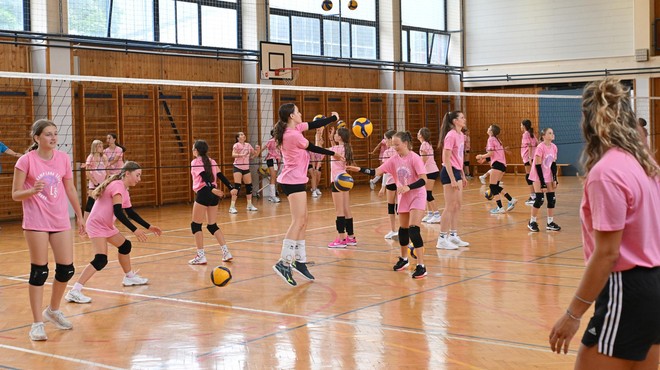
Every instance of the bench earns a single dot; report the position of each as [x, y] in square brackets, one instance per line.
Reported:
[477, 168]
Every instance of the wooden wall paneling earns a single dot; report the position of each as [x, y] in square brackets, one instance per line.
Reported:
[15, 58]
[174, 144]
[379, 119]
[234, 120]
[205, 120]
[426, 81]
[358, 106]
[434, 111]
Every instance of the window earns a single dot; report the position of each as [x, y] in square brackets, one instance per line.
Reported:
[305, 35]
[14, 15]
[279, 29]
[424, 38]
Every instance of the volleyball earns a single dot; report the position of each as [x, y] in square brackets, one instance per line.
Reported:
[352, 5]
[344, 182]
[341, 124]
[220, 276]
[326, 5]
[362, 127]
[488, 195]
[318, 117]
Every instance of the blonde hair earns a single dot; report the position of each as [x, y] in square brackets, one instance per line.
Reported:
[608, 121]
[129, 166]
[95, 145]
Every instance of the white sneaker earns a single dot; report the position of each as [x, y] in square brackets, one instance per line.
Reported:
[314, 194]
[135, 280]
[57, 318]
[444, 243]
[496, 211]
[482, 178]
[233, 210]
[427, 217]
[435, 219]
[391, 234]
[274, 199]
[318, 192]
[511, 204]
[198, 260]
[77, 296]
[250, 207]
[226, 256]
[372, 184]
[38, 332]
[455, 239]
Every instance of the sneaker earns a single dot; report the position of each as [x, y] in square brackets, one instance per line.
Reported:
[38, 332]
[444, 243]
[391, 234]
[497, 211]
[57, 318]
[337, 243]
[482, 178]
[420, 272]
[533, 226]
[315, 194]
[226, 255]
[512, 204]
[456, 240]
[274, 199]
[411, 249]
[76, 296]
[284, 272]
[301, 268]
[350, 240]
[233, 210]
[135, 280]
[400, 264]
[552, 227]
[529, 202]
[372, 184]
[198, 260]
[250, 207]
[435, 219]
[427, 217]
[318, 192]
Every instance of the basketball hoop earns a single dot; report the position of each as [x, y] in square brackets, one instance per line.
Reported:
[288, 76]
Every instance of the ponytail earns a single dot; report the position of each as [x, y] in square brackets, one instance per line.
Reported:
[345, 138]
[202, 149]
[129, 166]
[527, 124]
[447, 125]
[284, 113]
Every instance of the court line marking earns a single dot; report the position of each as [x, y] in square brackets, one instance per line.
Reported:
[60, 357]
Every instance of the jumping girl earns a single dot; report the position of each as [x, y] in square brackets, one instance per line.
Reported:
[544, 177]
[432, 174]
[242, 152]
[495, 151]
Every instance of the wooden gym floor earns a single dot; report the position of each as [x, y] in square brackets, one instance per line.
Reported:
[489, 306]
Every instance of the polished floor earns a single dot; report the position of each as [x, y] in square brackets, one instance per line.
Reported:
[489, 306]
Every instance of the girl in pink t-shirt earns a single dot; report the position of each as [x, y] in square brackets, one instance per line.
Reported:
[112, 199]
[315, 164]
[620, 220]
[115, 154]
[527, 150]
[293, 180]
[409, 174]
[242, 152]
[273, 157]
[205, 172]
[432, 174]
[95, 166]
[43, 182]
[452, 177]
[388, 187]
[495, 151]
[341, 199]
[466, 152]
[544, 177]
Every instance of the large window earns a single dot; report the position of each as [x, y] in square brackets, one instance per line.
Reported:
[424, 37]
[190, 22]
[15, 15]
[313, 31]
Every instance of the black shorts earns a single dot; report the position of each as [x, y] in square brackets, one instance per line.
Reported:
[243, 172]
[289, 189]
[526, 164]
[206, 197]
[270, 162]
[334, 188]
[626, 322]
[466, 163]
[311, 167]
[444, 175]
[391, 187]
[498, 166]
[433, 175]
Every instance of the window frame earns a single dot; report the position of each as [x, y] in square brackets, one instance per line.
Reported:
[428, 32]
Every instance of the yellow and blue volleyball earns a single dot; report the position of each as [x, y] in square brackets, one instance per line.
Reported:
[488, 195]
[344, 182]
[362, 127]
[341, 124]
[326, 5]
[352, 5]
[318, 117]
[220, 276]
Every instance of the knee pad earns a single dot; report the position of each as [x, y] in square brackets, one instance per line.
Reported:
[125, 248]
[212, 228]
[38, 274]
[391, 208]
[99, 261]
[499, 189]
[237, 187]
[195, 227]
[529, 182]
[416, 237]
[404, 236]
[551, 199]
[538, 202]
[89, 205]
[340, 222]
[494, 189]
[248, 189]
[64, 273]
[429, 196]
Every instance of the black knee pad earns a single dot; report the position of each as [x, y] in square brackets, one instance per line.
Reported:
[38, 274]
[212, 228]
[248, 189]
[538, 202]
[416, 237]
[551, 199]
[494, 189]
[529, 182]
[391, 208]
[429, 196]
[89, 205]
[404, 236]
[64, 273]
[499, 189]
[340, 222]
[195, 227]
[125, 248]
[99, 261]
[238, 188]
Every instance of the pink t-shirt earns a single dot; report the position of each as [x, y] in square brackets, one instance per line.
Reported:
[426, 152]
[455, 141]
[383, 148]
[548, 154]
[527, 147]
[101, 221]
[95, 170]
[197, 167]
[114, 169]
[49, 209]
[244, 149]
[387, 154]
[618, 195]
[337, 167]
[405, 171]
[494, 145]
[294, 155]
[273, 150]
[315, 160]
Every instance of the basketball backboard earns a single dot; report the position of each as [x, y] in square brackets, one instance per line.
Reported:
[273, 58]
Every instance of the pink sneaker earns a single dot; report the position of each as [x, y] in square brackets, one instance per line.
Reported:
[338, 243]
[350, 240]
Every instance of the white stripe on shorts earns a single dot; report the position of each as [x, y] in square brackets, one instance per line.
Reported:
[612, 316]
